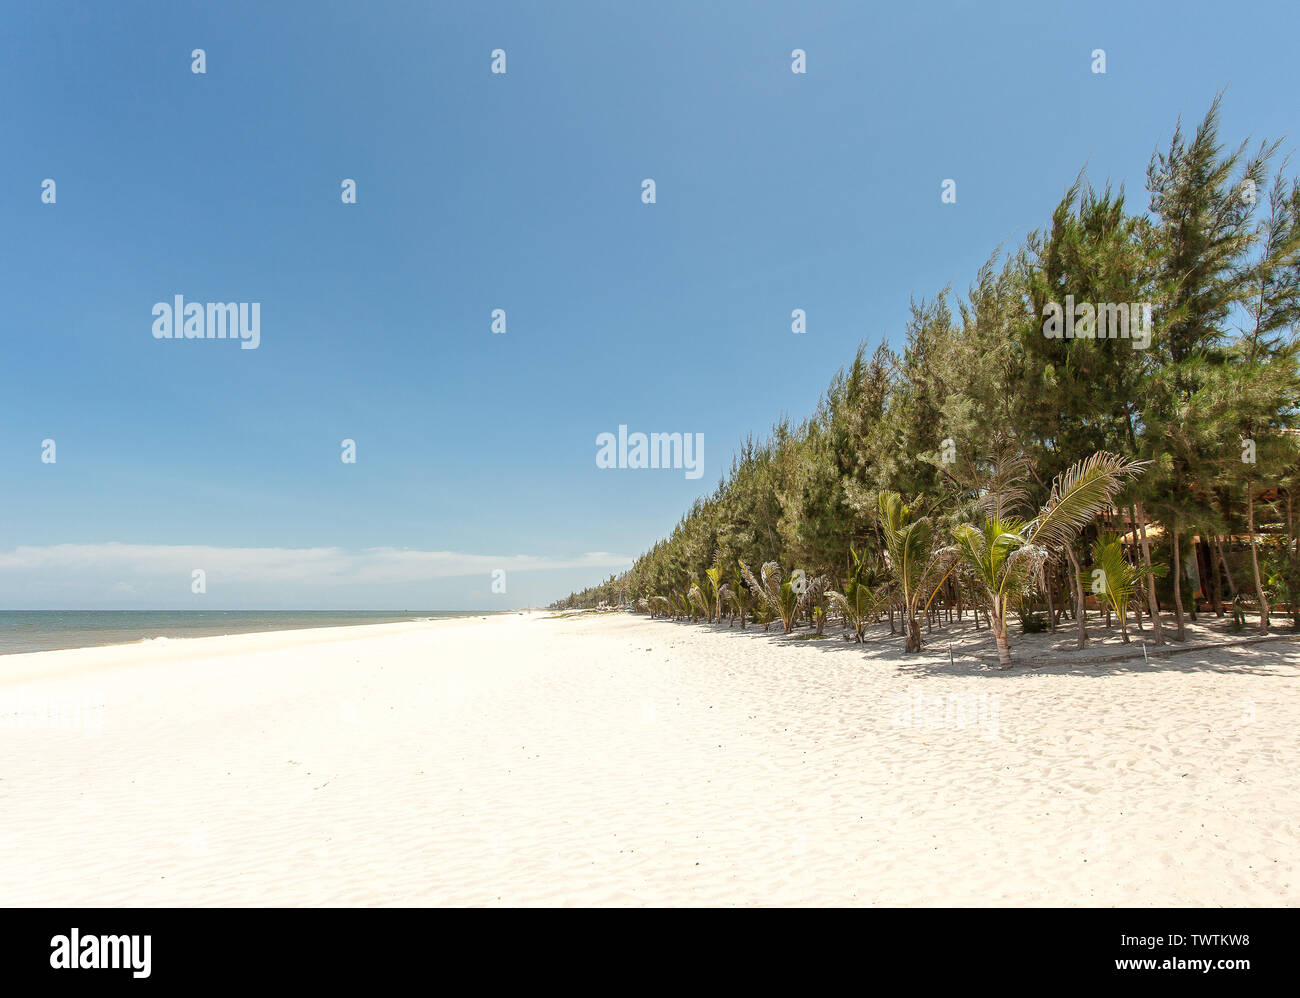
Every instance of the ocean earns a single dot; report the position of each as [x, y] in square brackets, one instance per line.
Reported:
[43, 630]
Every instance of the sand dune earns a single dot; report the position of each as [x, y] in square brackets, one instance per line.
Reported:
[619, 761]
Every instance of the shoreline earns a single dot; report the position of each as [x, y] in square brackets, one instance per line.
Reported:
[308, 625]
[148, 653]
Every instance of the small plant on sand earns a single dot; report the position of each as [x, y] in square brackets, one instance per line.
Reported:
[740, 598]
[699, 603]
[1238, 610]
[1115, 580]
[865, 594]
[714, 591]
[785, 598]
[1032, 622]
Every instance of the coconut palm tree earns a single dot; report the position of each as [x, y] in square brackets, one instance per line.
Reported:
[739, 596]
[1115, 580]
[698, 603]
[918, 565]
[714, 586]
[865, 594]
[1004, 553]
[785, 598]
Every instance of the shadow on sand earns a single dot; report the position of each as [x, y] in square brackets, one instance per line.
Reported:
[959, 649]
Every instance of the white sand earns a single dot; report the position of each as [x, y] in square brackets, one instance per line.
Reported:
[616, 760]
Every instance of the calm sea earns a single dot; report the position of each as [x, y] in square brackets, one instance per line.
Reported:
[42, 630]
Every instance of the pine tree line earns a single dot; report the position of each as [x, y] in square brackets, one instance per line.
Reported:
[991, 403]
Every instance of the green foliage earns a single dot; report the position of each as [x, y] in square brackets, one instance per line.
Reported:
[1004, 553]
[865, 594]
[974, 369]
[782, 597]
[918, 566]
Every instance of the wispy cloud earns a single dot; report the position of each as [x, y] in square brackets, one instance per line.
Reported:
[309, 566]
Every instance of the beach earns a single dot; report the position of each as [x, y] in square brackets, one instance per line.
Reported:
[608, 759]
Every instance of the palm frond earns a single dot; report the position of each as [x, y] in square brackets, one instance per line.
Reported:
[1078, 494]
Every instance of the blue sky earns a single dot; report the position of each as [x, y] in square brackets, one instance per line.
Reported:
[522, 192]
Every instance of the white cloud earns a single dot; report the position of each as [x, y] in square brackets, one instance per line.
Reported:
[127, 567]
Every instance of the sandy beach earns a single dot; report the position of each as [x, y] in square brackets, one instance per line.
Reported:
[615, 760]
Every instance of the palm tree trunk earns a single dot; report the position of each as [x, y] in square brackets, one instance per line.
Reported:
[1290, 526]
[1227, 572]
[1178, 578]
[1000, 635]
[1132, 559]
[1216, 599]
[1151, 589]
[1051, 607]
[1078, 598]
[1137, 609]
[1132, 556]
[913, 627]
[1290, 541]
[1254, 559]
